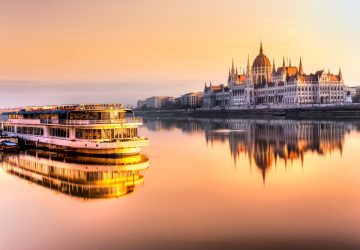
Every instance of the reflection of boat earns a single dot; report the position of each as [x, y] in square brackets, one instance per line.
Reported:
[87, 177]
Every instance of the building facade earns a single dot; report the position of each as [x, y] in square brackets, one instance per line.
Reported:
[265, 85]
[156, 102]
[192, 100]
[216, 96]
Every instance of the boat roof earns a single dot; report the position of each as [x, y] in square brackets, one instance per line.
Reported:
[65, 109]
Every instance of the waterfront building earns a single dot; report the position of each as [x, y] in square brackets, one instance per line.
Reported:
[352, 91]
[156, 102]
[141, 104]
[216, 96]
[153, 102]
[263, 84]
[192, 100]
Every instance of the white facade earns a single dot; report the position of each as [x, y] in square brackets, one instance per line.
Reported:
[216, 96]
[264, 84]
[156, 102]
[192, 100]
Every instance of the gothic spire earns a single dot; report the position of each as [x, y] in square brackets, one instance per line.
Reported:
[340, 74]
[248, 69]
[274, 68]
[261, 48]
[284, 67]
[290, 62]
[232, 68]
[301, 71]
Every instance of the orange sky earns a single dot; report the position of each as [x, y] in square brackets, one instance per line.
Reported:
[163, 47]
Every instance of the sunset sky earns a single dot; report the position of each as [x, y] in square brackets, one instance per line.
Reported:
[120, 51]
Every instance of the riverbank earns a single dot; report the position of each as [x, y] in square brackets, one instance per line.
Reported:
[348, 112]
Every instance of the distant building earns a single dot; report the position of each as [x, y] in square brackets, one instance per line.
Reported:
[216, 96]
[192, 100]
[156, 102]
[352, 91]
[141, 104]
[153, 102]
[265, 84]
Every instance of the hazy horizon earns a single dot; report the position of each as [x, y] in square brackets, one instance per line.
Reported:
[74, 52]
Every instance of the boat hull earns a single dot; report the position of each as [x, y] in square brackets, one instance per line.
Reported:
[118, 148]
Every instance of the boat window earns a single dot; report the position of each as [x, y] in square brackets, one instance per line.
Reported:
[30, 130]
[9, 128]
[59, 132]
[96, 115]
[109, 134]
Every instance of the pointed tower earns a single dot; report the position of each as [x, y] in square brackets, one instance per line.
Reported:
[249, 78]
[283, 70]
[261, 48]
[248, 69]
[274, 68]
[340, 75]
[232, 68]
[290, 62]
[284, 67]
[301, 71]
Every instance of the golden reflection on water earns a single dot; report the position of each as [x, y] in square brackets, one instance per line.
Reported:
[213, 184]
[264, 142]
[87, 177]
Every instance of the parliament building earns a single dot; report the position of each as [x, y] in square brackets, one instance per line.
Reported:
[262, 84]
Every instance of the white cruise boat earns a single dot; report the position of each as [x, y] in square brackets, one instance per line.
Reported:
[95, 129]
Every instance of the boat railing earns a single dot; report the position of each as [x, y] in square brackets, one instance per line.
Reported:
[91, 122]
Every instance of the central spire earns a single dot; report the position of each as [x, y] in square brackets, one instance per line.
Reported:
[261, 48]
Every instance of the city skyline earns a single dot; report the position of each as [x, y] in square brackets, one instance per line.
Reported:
[64, 52]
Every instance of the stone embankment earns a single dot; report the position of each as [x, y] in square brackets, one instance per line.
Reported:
[348, 112]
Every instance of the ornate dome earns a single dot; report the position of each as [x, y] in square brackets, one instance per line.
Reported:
[261, 60]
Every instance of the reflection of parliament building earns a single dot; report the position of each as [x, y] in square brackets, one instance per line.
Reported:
[81, 176]
[265, 84]
[264, 142]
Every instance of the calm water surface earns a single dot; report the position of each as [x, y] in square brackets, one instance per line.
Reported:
[201, 184]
